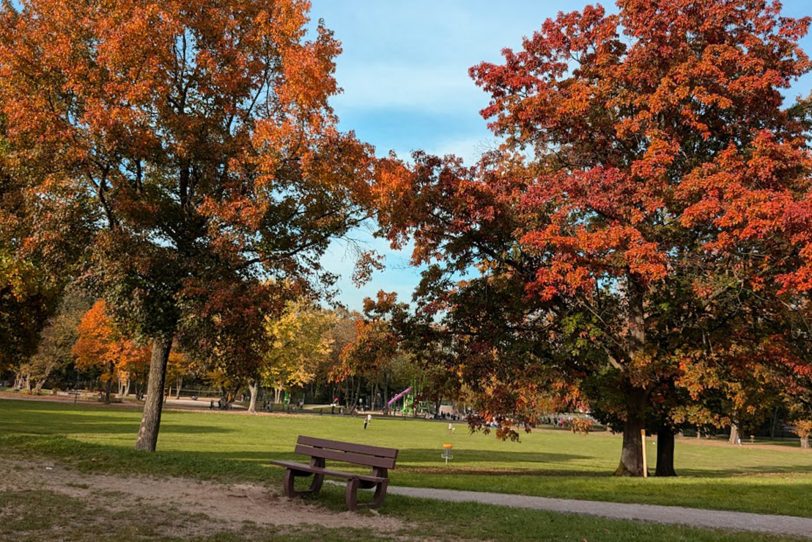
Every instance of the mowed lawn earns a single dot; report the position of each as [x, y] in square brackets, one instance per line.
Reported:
[235, 446]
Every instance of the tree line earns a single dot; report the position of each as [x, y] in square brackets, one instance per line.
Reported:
[305, 352]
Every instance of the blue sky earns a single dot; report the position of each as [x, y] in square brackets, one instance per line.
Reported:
[404, 71]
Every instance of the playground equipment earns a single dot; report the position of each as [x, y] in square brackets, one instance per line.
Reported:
[408, 400]
[398, 397]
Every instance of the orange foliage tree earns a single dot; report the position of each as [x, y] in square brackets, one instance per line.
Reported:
[100, 345]
[203, 132]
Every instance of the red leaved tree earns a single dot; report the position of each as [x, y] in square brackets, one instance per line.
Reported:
[630, 220]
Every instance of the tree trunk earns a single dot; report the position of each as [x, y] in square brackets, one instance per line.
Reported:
[253, 388]
[665, 453]
[631, 456]
[127, 386]
[734, 434]
[805, 442]
[179, 383]
[151, 418]
[108, 388]
[385, 406]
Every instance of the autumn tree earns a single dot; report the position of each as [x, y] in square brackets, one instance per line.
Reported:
[54, 351]
[298, 341]
[223, 330]
[203, 134]
[180, 366]
[101, 345]
[36, 263]
[624, 228]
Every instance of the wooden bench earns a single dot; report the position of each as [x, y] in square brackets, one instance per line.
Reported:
[320, 450]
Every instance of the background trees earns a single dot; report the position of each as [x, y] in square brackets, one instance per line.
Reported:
[298, 342]
[55, 349]
[100, 344]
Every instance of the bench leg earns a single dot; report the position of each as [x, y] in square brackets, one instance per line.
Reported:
[287, 484]
[380, 493]
[315, 485]
[351, 495]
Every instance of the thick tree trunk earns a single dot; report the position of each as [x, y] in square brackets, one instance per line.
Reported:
[127, 386]
[665, 453]
[805, 442]
[151, 418]
[631, 456]
[253, 388]
[734, 434]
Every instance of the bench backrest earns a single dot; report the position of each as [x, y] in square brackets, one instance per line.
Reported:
[358, 454]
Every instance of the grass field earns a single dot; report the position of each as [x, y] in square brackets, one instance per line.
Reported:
[229, 446]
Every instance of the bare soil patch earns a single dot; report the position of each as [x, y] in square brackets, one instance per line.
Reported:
[215, 506]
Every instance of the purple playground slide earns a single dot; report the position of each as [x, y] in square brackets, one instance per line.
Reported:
[398, 396]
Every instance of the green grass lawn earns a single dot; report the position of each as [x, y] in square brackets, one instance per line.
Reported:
[231, 446]
[549, 463]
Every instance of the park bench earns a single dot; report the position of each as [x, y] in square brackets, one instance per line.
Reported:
[320, 450]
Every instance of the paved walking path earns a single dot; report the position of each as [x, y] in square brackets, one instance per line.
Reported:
[693, 517]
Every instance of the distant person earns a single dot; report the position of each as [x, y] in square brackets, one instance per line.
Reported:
[367, 420]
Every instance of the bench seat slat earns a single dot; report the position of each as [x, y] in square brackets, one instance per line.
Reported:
[327, 472]
[348, 446]
[348, 457]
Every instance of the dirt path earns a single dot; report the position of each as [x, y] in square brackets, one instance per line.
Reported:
[230, 505]
[692, 517]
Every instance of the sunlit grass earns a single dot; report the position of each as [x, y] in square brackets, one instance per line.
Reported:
[227, 445]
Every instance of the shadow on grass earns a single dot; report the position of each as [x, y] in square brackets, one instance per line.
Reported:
[246, 463]
[764, 495]
[79, 421]
[744, 471]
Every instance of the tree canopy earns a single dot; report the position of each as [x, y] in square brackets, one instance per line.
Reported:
[639, 222]
[202, 134]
